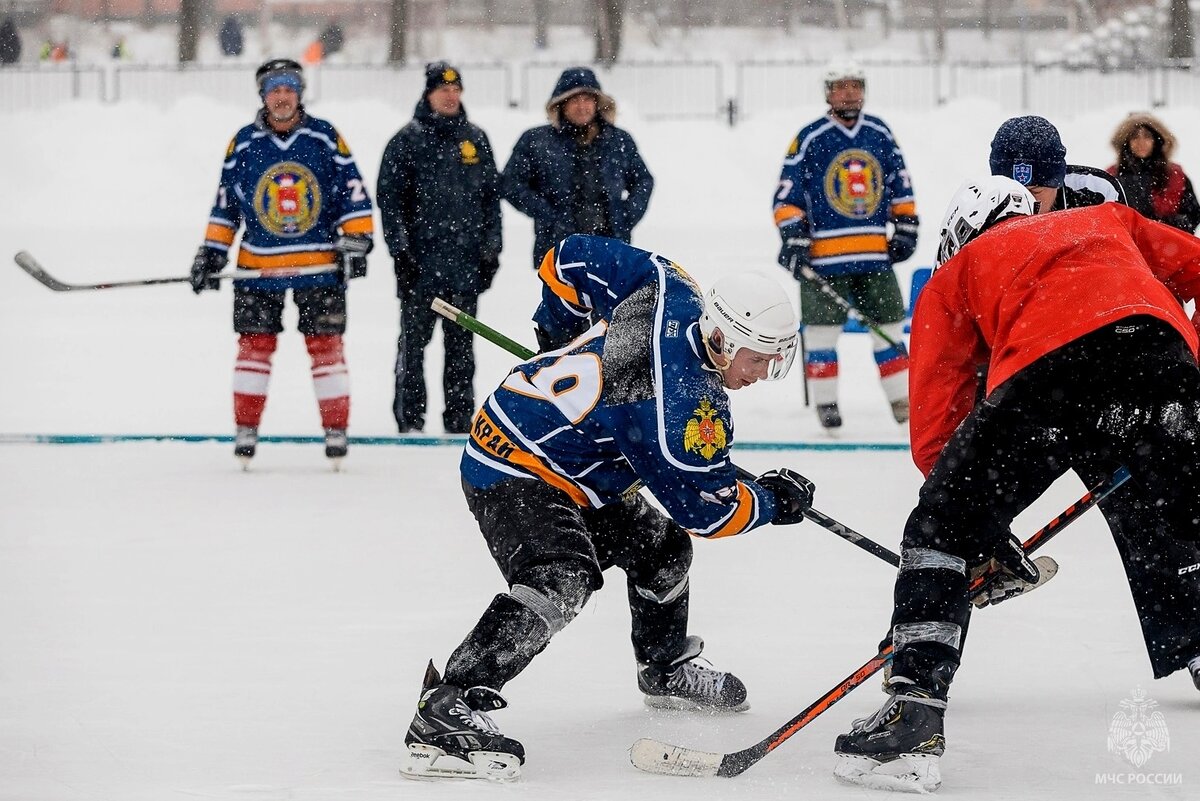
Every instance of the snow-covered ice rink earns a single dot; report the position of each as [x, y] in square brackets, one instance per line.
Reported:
[174, 628]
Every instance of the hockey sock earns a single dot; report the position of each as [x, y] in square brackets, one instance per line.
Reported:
[821, 362]
[891, 361]
[251, 377]
[331, 379]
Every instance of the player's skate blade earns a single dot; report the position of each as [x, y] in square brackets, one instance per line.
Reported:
[421, 761]
[907, 773]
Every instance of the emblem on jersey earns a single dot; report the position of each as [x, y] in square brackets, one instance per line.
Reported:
[470, 155]
[231, 148]
[1022, 173]
[794, 147]
[287, 199]
[342, 148]
[854, 184]
[704, 433]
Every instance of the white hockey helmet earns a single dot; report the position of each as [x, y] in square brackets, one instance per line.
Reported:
[753, 311]
[848, 70]
[977, 205]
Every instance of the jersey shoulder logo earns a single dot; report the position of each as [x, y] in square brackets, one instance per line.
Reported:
[854, 184]
[343, 149]
[794, 147]
[704, 433]
[470, 154]
[287, 199]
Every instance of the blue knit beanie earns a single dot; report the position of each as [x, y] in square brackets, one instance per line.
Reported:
[1030, 151]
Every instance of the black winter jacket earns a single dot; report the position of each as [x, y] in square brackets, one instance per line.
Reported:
[439, 198]
[538, 178]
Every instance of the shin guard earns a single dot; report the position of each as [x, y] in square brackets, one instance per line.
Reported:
[251, 377]
[331, 379]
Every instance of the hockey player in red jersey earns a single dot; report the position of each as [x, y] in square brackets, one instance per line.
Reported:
[1079, 316]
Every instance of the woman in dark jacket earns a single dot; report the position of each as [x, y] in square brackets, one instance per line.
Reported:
[1154, 185]
[580, 174]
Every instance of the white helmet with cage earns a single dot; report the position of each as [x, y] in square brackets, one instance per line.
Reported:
[848, 70]
[977, 205]
[752, 311]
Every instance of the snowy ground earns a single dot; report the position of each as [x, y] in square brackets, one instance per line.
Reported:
[173, 628]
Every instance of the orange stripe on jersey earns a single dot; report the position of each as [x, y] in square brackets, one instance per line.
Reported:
[359, 225]
[219, 233]
[740, 518]
[252, 261]
[550, 276]
[909, 208]
[843, 245]
[487, 435]
[785, 214]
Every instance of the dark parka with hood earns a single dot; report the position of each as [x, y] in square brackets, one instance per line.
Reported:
[569, 179]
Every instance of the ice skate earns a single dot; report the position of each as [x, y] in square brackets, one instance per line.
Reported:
[900, 410]
[687, 684]
[452, 737]
[829, 415]
[336, 446]
[245, 442]
[1194, 669]
[897, 748]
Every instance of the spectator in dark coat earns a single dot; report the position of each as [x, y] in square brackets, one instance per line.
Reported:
[230, 36]
[580, 174]
[10, 42]
[1154, 185]
[439, 197]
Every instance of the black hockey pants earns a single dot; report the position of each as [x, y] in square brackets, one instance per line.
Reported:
[552, 553]
[1126, 394]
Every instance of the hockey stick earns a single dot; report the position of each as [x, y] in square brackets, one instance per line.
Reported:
[31, 265]
[828, 291]
[520, 351]
[654, 756]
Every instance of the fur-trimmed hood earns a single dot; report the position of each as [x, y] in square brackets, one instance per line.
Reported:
[574, 81]
[1138, 120]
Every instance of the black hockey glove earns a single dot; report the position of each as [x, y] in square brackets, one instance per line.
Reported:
[207, 263]
[1016, 573]
[489, 263]
[793, 494]
[352, 251]
[904, 238]
[407, 273]
[794, 253]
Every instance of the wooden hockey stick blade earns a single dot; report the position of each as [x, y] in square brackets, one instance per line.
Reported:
[665, 759]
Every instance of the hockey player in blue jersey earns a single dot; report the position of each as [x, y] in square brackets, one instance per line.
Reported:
[631, 386]
[290, 182]
[843, 183]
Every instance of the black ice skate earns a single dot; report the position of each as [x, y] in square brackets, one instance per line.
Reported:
[452, 737]
[336, 445]
[900, 410]
[1194, 669]
[245, 442]
[897, 748]
[685, 683]
[829, 415]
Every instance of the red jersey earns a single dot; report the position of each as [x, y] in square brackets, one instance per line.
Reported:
[1030, 286]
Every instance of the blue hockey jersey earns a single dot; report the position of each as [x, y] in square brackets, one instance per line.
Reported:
[847, 183]
[294, 196]
[631, 398]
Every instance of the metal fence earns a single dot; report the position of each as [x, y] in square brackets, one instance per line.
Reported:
[48, 85]
[656, 90]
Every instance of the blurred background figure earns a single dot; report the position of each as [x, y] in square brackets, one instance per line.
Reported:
[230, 36]
[10, 42]
[1154, 185]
